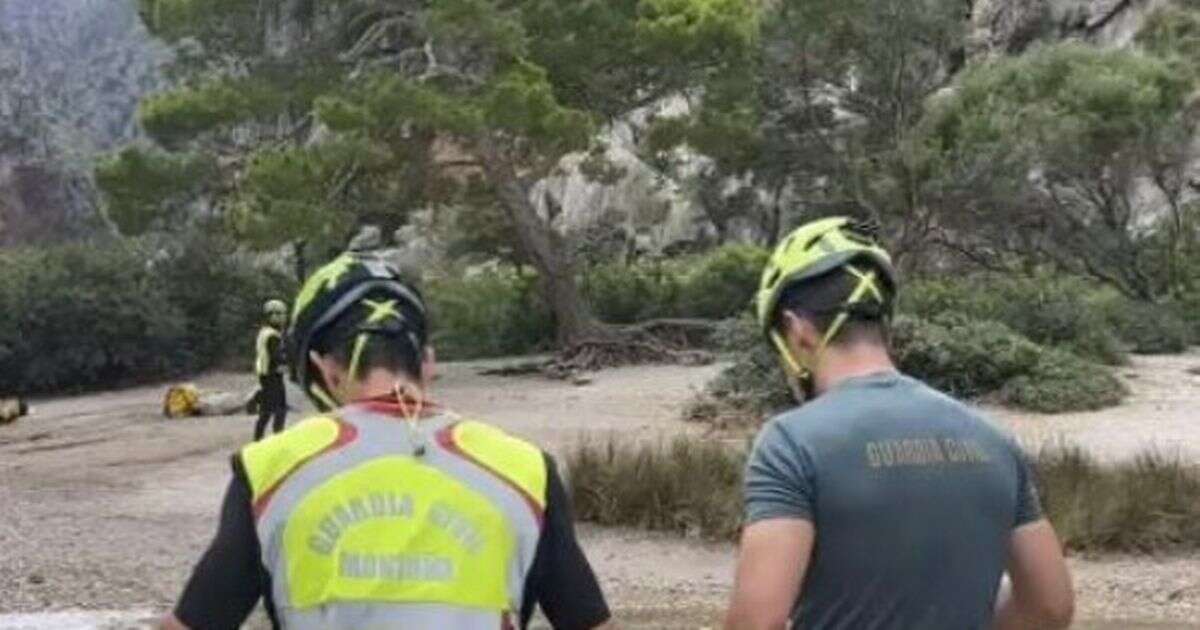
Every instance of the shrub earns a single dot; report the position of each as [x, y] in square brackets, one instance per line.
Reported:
[624, 294]
[220, 294]
[714, 285]
[83, 316]
[1147, 328]
[1050, 310]
[493, 313]
[961, 356]
[958, 355]
[722, 282]
[1150, 504]
[689, 486]
[1061, 381]
[1187, 307]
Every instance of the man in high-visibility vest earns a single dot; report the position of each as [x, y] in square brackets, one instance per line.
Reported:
[269, 360]
[387, 510]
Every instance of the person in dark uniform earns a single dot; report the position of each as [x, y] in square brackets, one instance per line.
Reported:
[269, 361]
[880, 502]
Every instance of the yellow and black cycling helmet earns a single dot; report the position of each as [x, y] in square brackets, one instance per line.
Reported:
[813, 250]
[374, 293]
[273, 308]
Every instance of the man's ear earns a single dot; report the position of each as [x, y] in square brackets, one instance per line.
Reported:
[800, 332]
[428, 368]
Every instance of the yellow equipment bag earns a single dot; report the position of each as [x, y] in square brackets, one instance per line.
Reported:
[182, 401]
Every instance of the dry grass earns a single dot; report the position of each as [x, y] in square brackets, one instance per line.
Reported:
[1148, 505]
[693, 487]
[689, 486]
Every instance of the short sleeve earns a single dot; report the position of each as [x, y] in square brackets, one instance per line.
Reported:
[779, 479]
[1029, 502]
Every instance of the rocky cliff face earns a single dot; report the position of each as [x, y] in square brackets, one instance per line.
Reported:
[71, 75]
[999, 27]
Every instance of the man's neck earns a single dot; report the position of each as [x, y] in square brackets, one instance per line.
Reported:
[381, 384]
[841, 363]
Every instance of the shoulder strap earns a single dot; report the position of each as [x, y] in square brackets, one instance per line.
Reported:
[269, 462]
[515, 461]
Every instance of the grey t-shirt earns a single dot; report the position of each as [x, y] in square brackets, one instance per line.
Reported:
[914, 498]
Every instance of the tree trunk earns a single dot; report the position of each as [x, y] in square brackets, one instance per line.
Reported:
[548, 253]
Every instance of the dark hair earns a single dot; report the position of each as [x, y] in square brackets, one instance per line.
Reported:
[822, 299]
[398, 347]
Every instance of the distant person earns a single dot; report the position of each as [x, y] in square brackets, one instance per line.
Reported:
[269, 361]
[387, 511]
[880, 502]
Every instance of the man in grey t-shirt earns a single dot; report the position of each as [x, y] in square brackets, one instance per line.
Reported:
[881, 503]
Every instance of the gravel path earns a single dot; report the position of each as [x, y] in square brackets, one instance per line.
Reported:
[106, 505]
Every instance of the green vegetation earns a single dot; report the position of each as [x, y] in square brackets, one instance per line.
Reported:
[463, 102]
[491, 314]
[1051, 310]
[102, 315]
[690, 487]
[693, 486]
[1060, 381]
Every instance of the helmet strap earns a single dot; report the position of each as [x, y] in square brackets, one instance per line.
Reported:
[802, 370]
[322, 397]
[412, 413]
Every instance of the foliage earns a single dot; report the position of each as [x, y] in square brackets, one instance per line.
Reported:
[1147, 328]
[624, 294]
[176, 116]
[141, 185]
[952, 352]
[1172, 32]
[714, 285]
[489, 314]
[108, 314]
[688, 486]
[962, 356]
[721, 283]
[1148, 505]
[1060, 381]
[1054, 145]
[1049, 309]
[220, 294]
[412, 103]
[85, 316]
[816, 121]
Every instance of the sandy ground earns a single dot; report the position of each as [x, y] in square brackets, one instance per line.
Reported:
[104, 505]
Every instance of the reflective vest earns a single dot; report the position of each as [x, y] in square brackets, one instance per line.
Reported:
[366, 524]
[262, 350]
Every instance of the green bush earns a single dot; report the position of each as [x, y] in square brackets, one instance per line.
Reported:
[85, 316]
[494, 313]
[624, 294]
[689, 486]
[1060, 382]
[962, 356]
[220, 294]
[722, 282]
[1050, 310]
[1147, 328]
[1187, 307]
